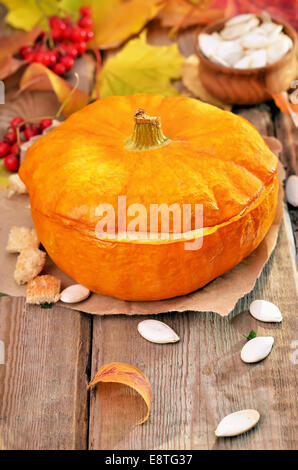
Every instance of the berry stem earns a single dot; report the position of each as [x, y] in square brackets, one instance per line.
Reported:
[68, 96]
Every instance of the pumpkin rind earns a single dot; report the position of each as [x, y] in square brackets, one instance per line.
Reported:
[214, 158]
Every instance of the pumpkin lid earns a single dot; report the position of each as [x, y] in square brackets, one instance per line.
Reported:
[180, 151]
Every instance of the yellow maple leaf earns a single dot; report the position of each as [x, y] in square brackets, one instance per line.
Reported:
[141, 68]
[117, 20]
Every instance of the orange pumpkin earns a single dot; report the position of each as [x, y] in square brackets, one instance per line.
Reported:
[201, 155]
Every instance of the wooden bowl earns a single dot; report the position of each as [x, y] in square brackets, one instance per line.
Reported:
[247, 86]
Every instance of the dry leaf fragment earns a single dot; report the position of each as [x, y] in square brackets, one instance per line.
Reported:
[49, 80]
[126, 374]
[181, 14]
[282, 102]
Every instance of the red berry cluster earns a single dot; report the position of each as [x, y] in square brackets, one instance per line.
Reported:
[69, 39]
[10, 148]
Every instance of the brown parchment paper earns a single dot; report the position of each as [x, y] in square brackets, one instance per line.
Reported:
[220, 296]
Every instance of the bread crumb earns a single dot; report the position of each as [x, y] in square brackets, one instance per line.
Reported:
[29, 264]
[43, 289]
[21, 238]
[16, 185]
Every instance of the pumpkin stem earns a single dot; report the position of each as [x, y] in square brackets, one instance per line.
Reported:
[147, 133]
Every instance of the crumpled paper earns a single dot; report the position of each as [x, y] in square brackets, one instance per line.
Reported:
[219, 296]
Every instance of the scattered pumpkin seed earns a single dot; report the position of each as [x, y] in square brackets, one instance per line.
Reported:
[265, 311]
[157, 332]
[237, 423]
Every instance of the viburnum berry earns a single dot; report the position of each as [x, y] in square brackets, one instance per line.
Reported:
[67, 61]
[25, 50]
[72, 51]
[15, 148]
[54, 21]
[81, 47]
[67, 33]
[69, 38]
[30, 57]
[11, 163]
[78, 34]
[56, 34]
[38, 57]
[4, 149]
[52, 59]
[31, 131]
[45, 123]
[45, 59]
[86, 22]
[16, 121]
[59, 68]
[89, 35]
[85, 11]
[10, 136]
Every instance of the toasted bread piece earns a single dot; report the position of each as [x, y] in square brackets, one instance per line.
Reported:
[29, 264]
[43, 289]
[16, 185]
[21, 238]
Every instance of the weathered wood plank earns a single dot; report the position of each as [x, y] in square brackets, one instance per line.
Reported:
[43, 401]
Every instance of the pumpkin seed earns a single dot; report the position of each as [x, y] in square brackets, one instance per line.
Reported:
[257, 349]
[208, 43]
[243, 63]
[257, 58]
[240, 19]
[237, 423]
[75, 293]
[292, 190]
[157, 332]
[279, 48]
[236, 31]
[254, 40]
[229, 51]
[265, 311]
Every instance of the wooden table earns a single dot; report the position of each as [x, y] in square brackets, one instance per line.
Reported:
[50, 355]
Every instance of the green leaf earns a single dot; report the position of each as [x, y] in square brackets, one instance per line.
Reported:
[252, 334]
[3, 295]
[46, 305]
[141, 68]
